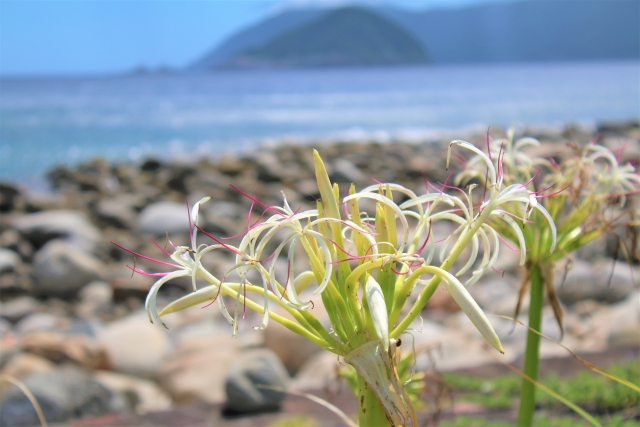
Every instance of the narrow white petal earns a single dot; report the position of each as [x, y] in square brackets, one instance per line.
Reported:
[195, 212]
[468, 305]
[150, 303]
[378, 310]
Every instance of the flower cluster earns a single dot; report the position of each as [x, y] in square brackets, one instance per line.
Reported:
[585, 194]
[365, 264]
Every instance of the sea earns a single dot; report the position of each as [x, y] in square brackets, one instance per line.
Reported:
[46, 122]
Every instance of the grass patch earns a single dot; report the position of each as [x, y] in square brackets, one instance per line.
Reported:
[296, 421]
[593, 392]
[540, 421]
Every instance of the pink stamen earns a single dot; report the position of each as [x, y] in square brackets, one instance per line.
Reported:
[500, 160]
[189, 216]
[424, 179]
[339, 247]
[426, 240]
[442, 240]
[217, 294]
[451, 188]
[532, 178]
[250, 210]
[295, 212]
[486, 178]
[488, 144]
[399, 272]
[376, 181]
[267, 259]
[144, 273]
[544, 189]
[171, 243]
[220, 242]
[344, 204]
[507, 244]
[553, 194]
[145, 257]
[459, 158]
[160, 247]
[271, 208]
[497, 271]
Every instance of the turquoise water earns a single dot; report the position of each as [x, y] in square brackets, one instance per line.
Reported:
[44, 122]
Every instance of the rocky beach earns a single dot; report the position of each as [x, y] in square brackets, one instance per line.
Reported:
[72, 322]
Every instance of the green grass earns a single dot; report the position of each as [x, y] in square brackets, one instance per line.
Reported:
[541, 421]
[296, 421]
[593, 392]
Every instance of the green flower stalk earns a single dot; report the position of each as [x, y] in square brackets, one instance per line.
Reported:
[585, 196]
[364, 264]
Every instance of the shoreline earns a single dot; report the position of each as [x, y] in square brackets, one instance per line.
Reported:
[244, 147]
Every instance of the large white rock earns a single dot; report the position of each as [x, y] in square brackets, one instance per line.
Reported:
[72, 226]
[196, 369]
[164, 217]
[135, 346]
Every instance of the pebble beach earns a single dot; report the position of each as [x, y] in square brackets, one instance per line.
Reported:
[72, 322]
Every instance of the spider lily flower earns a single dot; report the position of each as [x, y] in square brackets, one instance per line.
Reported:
[364, 265]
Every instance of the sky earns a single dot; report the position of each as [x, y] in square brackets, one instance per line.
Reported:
[89, 37]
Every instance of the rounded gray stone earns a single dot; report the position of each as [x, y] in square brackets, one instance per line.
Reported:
[61, 269]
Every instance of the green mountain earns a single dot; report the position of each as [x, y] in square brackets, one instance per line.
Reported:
[349, 36]
[500, 32]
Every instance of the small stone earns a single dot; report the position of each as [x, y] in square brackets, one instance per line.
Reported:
[603, 280]
[116, 214]
[96, 292]
[345, 172]
[18, 308]
[252, 370]
[72, 226]
[12, 240]
[64, 394]
[164, 217]
[10, 197]
[40, 321]
[59, 348]
[61, 269]
[143, 395]
[22, 365]
[316, 372]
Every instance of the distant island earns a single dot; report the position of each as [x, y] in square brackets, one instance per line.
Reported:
[521, 31]
[350, 36]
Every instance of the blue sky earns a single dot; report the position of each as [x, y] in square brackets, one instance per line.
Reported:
[75, 37]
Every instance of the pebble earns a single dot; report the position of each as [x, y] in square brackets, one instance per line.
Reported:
[135, 346]
[250, 371]
[62, 394]
[61, 269]
[69, 225]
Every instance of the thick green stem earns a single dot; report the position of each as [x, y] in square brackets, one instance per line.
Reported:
[370, 412]
[532, 354]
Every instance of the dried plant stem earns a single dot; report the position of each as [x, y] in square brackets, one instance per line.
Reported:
[527, 407]
[16, 382]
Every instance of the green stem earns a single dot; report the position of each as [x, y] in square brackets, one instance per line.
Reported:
[532, 354]
[370, 412]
